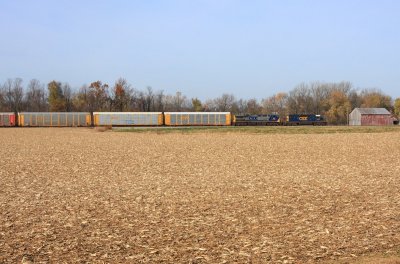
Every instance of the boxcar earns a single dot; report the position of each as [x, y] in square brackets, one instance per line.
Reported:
[197, 118]
[128, 118]
[54, 119]
[7, 119]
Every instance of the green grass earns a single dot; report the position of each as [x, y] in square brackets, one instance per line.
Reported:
[263, 129]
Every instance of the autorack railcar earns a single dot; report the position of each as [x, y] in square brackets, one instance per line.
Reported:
[7, 119]
[197, 118]
[128, 118]
[54, 119]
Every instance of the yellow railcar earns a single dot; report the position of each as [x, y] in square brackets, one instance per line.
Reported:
[197, 118]
[54, 119]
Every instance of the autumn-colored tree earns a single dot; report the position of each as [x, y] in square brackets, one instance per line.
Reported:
[314, 97]
[196, 104]
[121, 95]
[275, 104]
[339, 108]
[97, 97]
[375, 98]
[56, 97]
[80, 99]
[335, 100]
[397, 107]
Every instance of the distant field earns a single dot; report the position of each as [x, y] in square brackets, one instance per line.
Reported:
[266, 129]
[75, 195]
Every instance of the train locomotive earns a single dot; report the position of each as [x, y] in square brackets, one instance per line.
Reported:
[276, 120]
[256, 120]
[307, 119]
[86, 119]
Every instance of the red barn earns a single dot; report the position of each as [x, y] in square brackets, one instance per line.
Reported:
[370, 117]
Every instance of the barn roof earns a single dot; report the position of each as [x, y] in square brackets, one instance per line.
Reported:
[373, 111]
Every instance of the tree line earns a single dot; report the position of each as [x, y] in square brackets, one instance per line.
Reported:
[333, 100]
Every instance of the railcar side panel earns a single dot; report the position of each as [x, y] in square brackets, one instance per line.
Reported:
[197, 118]
[128, 118]
[305, 119]
[256, 120]
[54, 119]
[7, 119]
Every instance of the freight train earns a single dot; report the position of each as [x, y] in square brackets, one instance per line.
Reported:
[86, 119]
[276, 120]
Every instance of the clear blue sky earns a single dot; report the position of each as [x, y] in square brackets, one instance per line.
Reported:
[203, 48]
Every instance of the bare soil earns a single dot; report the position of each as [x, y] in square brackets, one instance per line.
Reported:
[73, 195]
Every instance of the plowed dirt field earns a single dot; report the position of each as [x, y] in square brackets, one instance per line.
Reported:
[77, 195]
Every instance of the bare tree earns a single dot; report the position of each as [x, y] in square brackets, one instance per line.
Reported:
[7, 92]
[3, 106]
[149, 99]
[135, 100]
[68, 97]
[36, 97]
[159, 99]
[319, 93]
[242, 107]
[225, 102]
[178, 101]
[335, 100]
[168, 103]
[13, 94]
[300, 100]
[355, 99]
[146, 100]
[275, 104]
[253, 107]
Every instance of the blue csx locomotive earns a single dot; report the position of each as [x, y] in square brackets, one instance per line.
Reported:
[276, 120]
